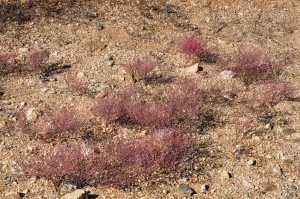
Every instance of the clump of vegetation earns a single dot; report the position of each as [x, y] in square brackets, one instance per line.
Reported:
[192, 45]
[64, 162]
[255, 65]
[36, 59]
[139, 68]
[7, 61]
[76, 84]
[61, 123]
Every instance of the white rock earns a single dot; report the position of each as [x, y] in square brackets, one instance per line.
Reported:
[32, 114]
[81, 75]
[227, 74]
[192, 69]
[226, 174]
[251, 162]
[44, 90]
[247, 184]
[77, 194]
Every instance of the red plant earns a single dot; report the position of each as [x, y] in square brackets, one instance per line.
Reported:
[253, 65]
[7, 60]
[139, 69]
[23, 124]
[36, 59]
[161, 151]
[267, 95]
[76, 84]
[63, 162]
[110, 108]
[64, 120]
[192, 45]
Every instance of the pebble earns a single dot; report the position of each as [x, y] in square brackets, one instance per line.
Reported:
[193, 69]
[44, 90]
[77, 194]
[32, 114]
[247, 184]
[109, 57]
[99, 26]
[226, 174]
[288, 131]
[227, 74]
[169, 10]
[277, 169]
[22, 104]
[251, 162]
[111, 63]
[81, 75]
[23, 193]
[186, 189]
[204, 187]
[52, 79]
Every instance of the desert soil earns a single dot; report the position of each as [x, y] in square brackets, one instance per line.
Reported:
[83, 33]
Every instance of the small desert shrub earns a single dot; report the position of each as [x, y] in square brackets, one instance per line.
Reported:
[64, 162]
[110, 108]
[267, 95]
[76, 84]
[191, 45]
[36, 59]
[64, 120]
[159, 152]
[7, 60]
[61, 123]
[255, 65]
[139, 68]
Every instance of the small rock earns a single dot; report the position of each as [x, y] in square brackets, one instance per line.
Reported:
[268, 126]
[44, 90]
[226, 175]
[169, 10]
[32, 114]
[277, 169]
[288, 131]
[247, 184]
[22, 104]
[52, 78]
[99, 26]
[185, 189]
[52, 91]
[77, 194]
[204, 187]
[80, 75]
[266, 187]
[295, 136]
[23, 193]
[227, 74]
[109, 57]
[110, 63]
[22, 50]
[193, 69]
[2, 124]
[251, 162]
[165, 191]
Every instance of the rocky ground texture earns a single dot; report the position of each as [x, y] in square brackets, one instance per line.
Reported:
[94, 39]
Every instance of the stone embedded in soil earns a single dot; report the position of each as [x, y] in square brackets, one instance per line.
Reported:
[251, 162]
[186, 189]
[226, 174]
[80, 75]
[77, 194]
[204, 187]
[32, 114]
[288, 131]
[109, 57]
[247, 184]
[277, 169]
[193, 69]
[99, 26]
[227, 74]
